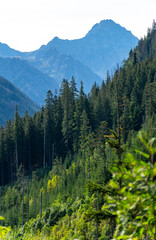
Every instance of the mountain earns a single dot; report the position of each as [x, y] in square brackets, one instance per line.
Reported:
[6, 51]
[27, 78]
[10, 96]
[104, 46]
[56, 172]
[88, 59]
[61, 66]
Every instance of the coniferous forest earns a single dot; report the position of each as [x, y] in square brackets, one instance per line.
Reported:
[84, 166]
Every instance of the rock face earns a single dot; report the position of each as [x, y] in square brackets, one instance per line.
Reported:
[10, 96]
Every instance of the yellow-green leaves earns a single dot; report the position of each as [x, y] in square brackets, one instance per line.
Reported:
[3, 230]
[49, 185]
[52, 183]
[114, 185]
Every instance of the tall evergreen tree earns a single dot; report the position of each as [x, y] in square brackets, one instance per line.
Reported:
[48, 127]
[2, 156]
[18, 139]
[84, 131]
[68, 113]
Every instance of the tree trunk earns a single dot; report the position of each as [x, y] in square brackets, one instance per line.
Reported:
[16, 152]
[0, 201]
[52, 155]
[44, 144]
[41, 205]
[28, 200]
[22, 198]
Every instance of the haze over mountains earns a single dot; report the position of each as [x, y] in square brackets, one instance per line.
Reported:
[27, 78]
[104, 46]
[10, 96]
[63, 66]
[6, 51]
[88, 59]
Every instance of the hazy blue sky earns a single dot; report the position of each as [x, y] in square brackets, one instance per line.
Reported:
[27, 24]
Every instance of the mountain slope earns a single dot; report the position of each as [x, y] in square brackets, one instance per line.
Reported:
[105, 45]
[6, 51]
[10, 96]
[70, 201]
[27, 78]
[87, 59]
[60, 66]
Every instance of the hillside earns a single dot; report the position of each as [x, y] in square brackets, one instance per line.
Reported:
[27, 78]
[10, 96]
[84, 166]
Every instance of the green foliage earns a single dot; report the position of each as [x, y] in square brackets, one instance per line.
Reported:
[58, 129]
[49, 158]
[112, 212]
[113, 141]
[134, 204]
[3, 230]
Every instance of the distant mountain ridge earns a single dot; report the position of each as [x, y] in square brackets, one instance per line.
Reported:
[6, 51]
[27, 78]
[104, 46]
[10, 96]
[88, 59]
[62, 66]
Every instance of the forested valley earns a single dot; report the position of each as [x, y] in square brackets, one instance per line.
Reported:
[84, 167]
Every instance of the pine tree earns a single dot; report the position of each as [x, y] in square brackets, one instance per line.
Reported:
[27, 122]
[9, 151]
[18, 139]
[2, 156]
[84, 130]
[68, 113]
[73, 88]
[48, 128]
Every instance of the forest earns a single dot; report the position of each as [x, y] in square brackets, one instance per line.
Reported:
[84, 166]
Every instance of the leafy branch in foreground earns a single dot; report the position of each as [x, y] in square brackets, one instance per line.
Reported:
[132, 204]
[135, 205]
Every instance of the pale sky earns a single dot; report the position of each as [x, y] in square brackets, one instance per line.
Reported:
[25, 25]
